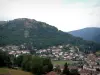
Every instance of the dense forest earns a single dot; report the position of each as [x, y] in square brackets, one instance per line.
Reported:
[39, 35]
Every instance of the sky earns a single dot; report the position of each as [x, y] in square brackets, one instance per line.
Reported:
[66, 15]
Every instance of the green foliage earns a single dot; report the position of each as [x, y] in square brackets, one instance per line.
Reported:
[4, 59]
[26, 64]
[3, 71]
[66, 69]
[65, 49]
[40, 34]
[35, 64]
[19, 60]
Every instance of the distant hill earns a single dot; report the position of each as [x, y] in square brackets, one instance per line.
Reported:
[2, 22]
[91, 33]
[39, 35]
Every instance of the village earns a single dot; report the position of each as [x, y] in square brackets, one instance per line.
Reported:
[86, 64]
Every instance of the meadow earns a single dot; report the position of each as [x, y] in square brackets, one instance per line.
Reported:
[6, 71]
[62, 62]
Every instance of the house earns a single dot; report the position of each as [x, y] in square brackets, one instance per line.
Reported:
[91, 59]
[88, 72]
[60, 47]
[72, 67]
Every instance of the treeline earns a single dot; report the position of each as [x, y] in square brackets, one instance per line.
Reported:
[38, 65]
[5, 59]
[34, 64]
[26, 62]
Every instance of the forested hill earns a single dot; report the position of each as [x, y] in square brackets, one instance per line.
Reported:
[39, 35]
[90, 33]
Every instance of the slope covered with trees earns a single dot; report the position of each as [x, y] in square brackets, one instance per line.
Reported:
[39, 35]
[90, 33]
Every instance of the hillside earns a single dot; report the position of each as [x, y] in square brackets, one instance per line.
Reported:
[38, 35]
[2, 22]
[6, 71]
[91, 33]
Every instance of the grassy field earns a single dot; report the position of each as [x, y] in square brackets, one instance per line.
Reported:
[3, 71]
[98, 53]
[13, 72]
[62, 62]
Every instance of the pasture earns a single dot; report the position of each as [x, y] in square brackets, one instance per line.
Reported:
[6, 71]
[62, 62]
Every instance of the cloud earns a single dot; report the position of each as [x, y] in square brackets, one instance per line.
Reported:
[65, 15]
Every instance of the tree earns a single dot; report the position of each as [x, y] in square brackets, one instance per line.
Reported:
[66, 69]
[4, 59]
[47, 62]
[45, 69]
[19, 60]
[26, 63]
[37, 65]
[65, 48]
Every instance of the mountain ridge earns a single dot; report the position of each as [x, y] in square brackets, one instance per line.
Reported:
[89, 33]
[39, 35]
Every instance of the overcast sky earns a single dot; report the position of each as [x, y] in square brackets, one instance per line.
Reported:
[66, 15]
